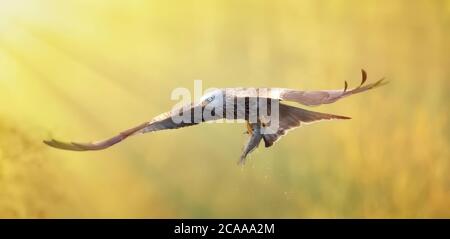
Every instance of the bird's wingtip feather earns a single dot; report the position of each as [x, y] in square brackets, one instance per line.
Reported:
[62, 145]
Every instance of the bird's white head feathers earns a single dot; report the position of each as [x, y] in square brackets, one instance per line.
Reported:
[212, 98]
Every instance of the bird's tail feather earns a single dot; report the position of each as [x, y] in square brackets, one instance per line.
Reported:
[291, 117]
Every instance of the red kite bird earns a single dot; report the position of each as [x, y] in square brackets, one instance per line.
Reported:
[244, 104]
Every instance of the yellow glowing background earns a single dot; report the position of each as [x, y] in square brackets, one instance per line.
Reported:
[84, 70]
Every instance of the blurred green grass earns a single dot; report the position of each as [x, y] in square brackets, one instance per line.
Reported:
[82, 70]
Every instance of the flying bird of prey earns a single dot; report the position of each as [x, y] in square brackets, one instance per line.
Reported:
[224, 101]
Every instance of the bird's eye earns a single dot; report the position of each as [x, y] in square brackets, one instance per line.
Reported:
[211, 98]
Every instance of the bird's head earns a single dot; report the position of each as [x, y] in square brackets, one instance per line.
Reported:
[212, 99]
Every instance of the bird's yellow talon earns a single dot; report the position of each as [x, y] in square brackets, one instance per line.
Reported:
[249, 128]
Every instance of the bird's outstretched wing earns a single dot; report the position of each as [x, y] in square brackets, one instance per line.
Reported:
[161, 122]
[291, 117]
[95, 145]
[314, 98]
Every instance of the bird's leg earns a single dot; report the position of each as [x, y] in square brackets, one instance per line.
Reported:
[249, 128]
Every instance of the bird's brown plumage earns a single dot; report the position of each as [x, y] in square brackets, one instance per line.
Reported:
[293, 117]
[289, 117]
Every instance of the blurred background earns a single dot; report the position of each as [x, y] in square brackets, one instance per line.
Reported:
[85, 70]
